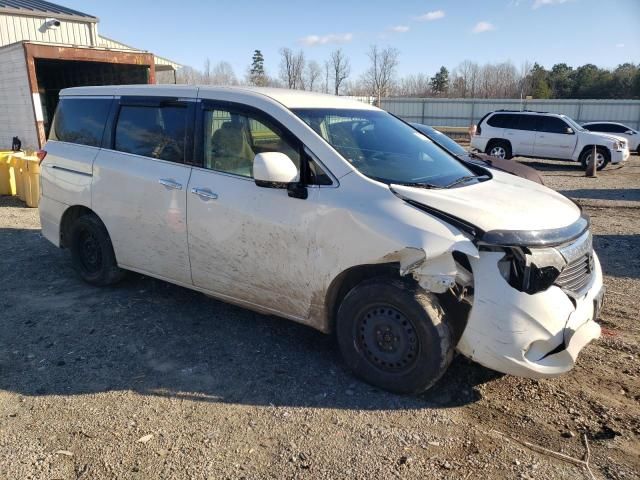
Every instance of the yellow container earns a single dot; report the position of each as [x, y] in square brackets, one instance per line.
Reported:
[17, 164]
[7, 179]
[31, 178]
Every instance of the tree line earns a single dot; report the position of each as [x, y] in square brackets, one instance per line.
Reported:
[467, 80]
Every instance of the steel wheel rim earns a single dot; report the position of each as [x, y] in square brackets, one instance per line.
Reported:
[498, 152]
[599, 159]
[387, 338]
[90, 252]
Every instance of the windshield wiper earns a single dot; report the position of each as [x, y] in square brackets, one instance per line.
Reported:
[406, 184]
[420, 185]
[465, 179]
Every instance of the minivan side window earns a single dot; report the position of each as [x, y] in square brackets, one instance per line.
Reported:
[80, 120]
[152, 131]
[232, 139]
[551, 125]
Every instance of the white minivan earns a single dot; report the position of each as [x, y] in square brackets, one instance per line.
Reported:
[328, 212]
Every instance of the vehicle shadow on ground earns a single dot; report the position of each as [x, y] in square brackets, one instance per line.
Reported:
[628, 194]
[618, 254]
[59, 336]
[548, 166]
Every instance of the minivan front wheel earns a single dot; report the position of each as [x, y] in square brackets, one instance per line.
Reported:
[499, 149]
[92, 252]
[393, 335]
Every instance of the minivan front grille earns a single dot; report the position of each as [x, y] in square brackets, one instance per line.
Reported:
[576, 275]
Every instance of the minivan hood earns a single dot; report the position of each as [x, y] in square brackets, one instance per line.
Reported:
[505, 202]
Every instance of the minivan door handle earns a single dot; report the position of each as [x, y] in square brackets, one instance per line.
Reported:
[204, 193]
[170, 183]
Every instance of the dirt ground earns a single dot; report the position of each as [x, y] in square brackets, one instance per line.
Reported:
[148, 380]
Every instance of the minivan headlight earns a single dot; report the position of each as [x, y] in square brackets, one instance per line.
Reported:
[531, 271]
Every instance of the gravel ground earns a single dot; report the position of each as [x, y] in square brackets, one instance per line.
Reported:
[148, 380]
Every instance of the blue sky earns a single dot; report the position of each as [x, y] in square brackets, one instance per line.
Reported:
[428, 33]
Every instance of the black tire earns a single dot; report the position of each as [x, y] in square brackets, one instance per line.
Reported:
[586, 155]
[393, 335]
[92, 253]
[495, 146]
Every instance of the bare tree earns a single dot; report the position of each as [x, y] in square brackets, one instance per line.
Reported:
[326, 77]
[188, 75]
[312, 75]
[206, 73]
[340, 67]
[380, 75]
[292, 67]
[223, 74]
[413, 86]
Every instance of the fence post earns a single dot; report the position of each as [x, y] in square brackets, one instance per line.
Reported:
[423, 103]
[473, 111]
[579, 119]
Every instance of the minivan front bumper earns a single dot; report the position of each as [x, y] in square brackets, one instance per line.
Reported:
[529, 335]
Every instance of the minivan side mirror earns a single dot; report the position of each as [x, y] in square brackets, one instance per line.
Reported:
[274, 170]
[569, 131]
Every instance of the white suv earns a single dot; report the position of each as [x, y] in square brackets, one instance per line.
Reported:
[328, 212]
[506, 134]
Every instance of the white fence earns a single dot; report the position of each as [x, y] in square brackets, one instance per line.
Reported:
[462, 112]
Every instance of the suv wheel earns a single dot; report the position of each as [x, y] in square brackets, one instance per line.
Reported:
[92, 253]
[394, 336]
[602, 157]
[499, 148]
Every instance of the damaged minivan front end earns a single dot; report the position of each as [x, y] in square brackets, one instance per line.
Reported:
[534, 295]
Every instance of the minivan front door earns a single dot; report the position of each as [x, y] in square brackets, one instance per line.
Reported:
[249, 244]
[140, 186]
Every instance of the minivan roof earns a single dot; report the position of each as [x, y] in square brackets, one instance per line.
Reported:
[288, 98]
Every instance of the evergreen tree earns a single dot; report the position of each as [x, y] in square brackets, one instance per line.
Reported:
[257, 75]
[539, 82]
[440, 82]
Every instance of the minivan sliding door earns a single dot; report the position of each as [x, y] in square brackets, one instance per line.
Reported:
[140, 185]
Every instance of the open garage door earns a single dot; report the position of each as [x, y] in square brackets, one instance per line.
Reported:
[53, 68]
[55, 75]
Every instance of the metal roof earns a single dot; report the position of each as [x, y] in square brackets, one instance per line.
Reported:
[41, 8]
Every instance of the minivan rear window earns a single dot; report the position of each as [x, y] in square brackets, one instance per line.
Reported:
[80, 120]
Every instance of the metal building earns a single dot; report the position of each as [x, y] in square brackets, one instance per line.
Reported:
[46, 47]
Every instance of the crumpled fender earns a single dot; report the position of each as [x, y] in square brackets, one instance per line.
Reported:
[435, 271]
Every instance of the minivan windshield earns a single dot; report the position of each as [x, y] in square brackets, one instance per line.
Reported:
[386, 149]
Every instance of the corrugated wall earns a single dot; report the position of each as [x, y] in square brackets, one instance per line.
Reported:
[15, 28]
[463, 112]
[16, 103]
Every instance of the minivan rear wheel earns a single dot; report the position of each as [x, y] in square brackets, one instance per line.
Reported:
[92, 252]
[499, 148]
[393, 335]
